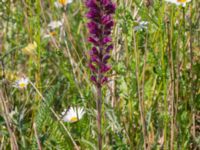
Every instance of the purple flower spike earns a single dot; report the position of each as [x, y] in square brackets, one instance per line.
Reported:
[101, 22]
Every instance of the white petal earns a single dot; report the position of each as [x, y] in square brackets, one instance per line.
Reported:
[66, 118]
[73, 113]
[55, 24]
[64, 111]
[69, 1]
[81, 112]
[26, 80]
[46, 36]
[184, 4]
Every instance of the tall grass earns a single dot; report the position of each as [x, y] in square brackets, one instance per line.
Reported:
[150, 102]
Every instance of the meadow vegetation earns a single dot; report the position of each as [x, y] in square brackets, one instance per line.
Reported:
[150, 101]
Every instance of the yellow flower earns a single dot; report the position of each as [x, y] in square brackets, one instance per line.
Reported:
[73, 114]
[30, 49]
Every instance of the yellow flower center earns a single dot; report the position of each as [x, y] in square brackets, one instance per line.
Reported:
[73, 119]
[181, 1]
[22, 85]
[63, 2]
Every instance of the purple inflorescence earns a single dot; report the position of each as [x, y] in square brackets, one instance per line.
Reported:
[100, 26]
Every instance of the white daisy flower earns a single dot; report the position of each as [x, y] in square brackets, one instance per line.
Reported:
[55, 24]
[22, 83]
[73, 114]
[62, 3]
[179, 2]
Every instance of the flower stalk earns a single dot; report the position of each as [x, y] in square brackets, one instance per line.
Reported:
[99, 106]
[100, 26]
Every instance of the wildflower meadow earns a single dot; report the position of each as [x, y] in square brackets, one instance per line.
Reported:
[99, 75]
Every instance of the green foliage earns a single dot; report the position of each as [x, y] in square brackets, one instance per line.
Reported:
[50, 131]
[155, 65]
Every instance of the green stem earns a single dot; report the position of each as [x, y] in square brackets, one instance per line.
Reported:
[99, 106]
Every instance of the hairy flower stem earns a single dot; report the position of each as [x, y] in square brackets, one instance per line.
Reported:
[99, 106]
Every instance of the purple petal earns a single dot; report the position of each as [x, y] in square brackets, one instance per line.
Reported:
[107, 32]
[93, 13]
[105, 58]
[106, 18]
[93, 78]
[110, 8]
[106, 40]
[92, 67]
[91, 4]
[105, 68]
[105, 2]
[104, 80]
[109, 25]
[95, 59]
[93, 40]
[95, 32]
[94, 51]
[109, 48]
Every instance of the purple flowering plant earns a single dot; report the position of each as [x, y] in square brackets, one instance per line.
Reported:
[101, 22]
[100, 26]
